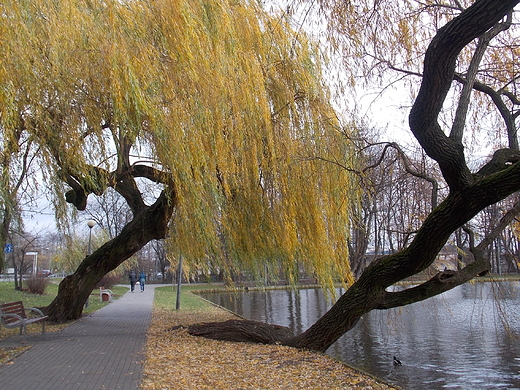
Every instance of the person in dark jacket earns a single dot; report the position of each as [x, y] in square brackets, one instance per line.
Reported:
[142, 279]
[133, 279]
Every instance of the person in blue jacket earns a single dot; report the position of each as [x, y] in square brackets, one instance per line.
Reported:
[142, 279]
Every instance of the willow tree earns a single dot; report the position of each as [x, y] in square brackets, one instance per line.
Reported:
[467, 33]
[216, 103]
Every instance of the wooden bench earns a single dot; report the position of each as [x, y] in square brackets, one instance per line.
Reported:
[13, 315]
[105, 295]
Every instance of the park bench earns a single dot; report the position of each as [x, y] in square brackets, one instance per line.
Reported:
[13, 315]
[105, 295]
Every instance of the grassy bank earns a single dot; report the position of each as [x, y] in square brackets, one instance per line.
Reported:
[176, 360]
[166, 297]
[9, 294]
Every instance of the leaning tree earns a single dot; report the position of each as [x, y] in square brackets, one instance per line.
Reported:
[469, 191]
[197, 114]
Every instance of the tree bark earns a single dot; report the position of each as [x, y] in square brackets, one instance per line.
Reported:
[242, 331]
[149, 223]
[439, 70]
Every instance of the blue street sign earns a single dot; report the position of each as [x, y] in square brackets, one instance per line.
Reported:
[8, 248]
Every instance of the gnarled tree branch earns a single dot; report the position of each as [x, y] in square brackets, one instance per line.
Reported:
[439, 70]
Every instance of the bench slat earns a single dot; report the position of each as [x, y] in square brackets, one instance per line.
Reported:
[13, 315]
[13, 308]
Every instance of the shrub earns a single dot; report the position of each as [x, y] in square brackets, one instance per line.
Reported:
[37, 284]
[109, 280]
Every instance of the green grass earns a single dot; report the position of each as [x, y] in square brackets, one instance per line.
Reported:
[94, 302]
[9, 294]
[166, 297]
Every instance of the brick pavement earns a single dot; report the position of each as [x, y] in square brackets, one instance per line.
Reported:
[102, 351]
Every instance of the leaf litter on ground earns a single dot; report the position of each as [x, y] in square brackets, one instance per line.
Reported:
[177, 360]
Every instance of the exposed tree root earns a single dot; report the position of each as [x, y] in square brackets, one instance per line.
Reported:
[241, 331]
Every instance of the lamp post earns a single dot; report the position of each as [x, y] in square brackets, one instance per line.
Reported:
[179, 283]
[90, 223]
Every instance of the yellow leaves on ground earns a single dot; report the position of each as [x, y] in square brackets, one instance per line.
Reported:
[9, 353]
[176, 360]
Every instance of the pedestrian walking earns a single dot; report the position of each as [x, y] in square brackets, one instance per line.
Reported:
[133, 279]
[142, 279]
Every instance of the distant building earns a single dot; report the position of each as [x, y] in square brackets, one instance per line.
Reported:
[447, 259]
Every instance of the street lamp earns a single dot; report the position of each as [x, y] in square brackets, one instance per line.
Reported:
[90, 223]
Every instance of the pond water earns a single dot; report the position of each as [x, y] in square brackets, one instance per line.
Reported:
[466, 338]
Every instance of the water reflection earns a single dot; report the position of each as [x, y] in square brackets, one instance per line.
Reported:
[466, 338]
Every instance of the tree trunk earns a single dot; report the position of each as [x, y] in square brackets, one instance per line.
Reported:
[150, 223]
[4, 234]
[17, 286]
[242, 331]
[369, 292]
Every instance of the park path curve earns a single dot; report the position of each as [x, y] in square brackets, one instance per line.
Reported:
[105, 350]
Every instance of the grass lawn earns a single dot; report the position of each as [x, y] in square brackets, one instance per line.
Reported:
[166, 297]
[9, 294]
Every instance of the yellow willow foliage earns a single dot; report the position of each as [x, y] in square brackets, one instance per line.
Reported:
[373, 34]
[225, 97]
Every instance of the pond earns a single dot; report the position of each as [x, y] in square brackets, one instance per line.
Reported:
[466, 338]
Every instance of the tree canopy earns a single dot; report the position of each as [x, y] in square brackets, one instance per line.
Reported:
[218, 103]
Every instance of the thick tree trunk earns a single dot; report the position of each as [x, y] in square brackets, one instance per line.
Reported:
[148, 224]
[369, 292]
[242, 331]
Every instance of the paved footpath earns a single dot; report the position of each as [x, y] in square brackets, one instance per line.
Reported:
[102, 351]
